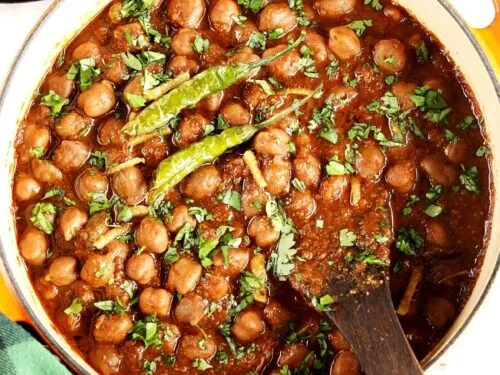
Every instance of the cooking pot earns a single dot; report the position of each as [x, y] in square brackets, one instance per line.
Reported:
[65, 18]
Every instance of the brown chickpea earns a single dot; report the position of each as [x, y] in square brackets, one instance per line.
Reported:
[292, 355]
[277, 174]
[277, 16]
[122, 34]
[191, 129]
[33, 246]
[215, 287]
[390, 55]
[439, 172]
[97, 270]
[284, 67]
[246, 55]
[247, 326]
[238, 260]
[272, 141]
[115, 69]
[184, 275]
[45, 171]
[197, 346]
[130, 185]
[394, 13]
[110, 133]
[181, 64]
[86, 50]
[202, 183]
[212, 102]
[345, 363]
[302, 204]
[235, 114]
[173, 334]
[61, 85]
[26, 188]
[105, 358]
[152, 235]
[277, 315]
[71, 155]
[344, 42]
[189, 309]
[182, 42]
[155, 301]
[90, 182]
[180, 217]
[403, 90]
[317, 44]
[133, 87]
[141, 268]
[334, 8]
[437, 234]
[222, 15]
[71, 221]
[370, 162]
[98, 99]
[334, 188]
[35, 138]
[253, 198]
[72, 125]
[186, 13]
[338, 341]
[262, 232]
[439, 312]
[456, 152]
[62, 271]
[112, 329]
[402, 176]
[307, 168]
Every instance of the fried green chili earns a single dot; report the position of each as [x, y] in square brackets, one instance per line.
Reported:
[188, 94]
[176, 167]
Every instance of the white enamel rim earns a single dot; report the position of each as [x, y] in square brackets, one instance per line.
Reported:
[66, 17]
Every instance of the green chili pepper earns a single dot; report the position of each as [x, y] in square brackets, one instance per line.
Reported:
[210, 81]
[175, 168]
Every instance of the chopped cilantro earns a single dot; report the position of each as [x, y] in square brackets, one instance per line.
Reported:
[482, 151]
[37, 152]
[433, 210]
[434, 192]
[333, 68]
[147, 331]
[76, 307]
[298, 184]
[135, 8]
[276, 33]
[368, 257]
[432, 103]
[359, 26]
[336, 168]
[422, 52]
[54, 102]
[86, 72]
[98, 203]
[135, 101]
[253, 5]
[200, 214]
[200, 44]
[298, 7]
[469, 122]
[201, 364]
[375, 4]
[470, 179]
[281, 260]
[42, 215]
[232, 198]
[451, 137]
[98, 159]
[171, 255]
[409, 239]
[347, 238]
[257, 40]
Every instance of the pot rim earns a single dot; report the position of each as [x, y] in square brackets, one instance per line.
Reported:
[71, 358]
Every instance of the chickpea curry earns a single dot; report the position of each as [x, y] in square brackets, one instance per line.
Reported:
[190, 170]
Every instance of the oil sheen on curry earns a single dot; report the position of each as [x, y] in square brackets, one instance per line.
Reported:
[188, 167]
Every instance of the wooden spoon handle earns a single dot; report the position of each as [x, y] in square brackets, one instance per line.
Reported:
[370, 324]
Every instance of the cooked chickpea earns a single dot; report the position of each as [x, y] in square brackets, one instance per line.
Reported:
[338, 341]
[307, 168]
[276, 314]
[170, 339]
[26, 188]
[238, 260]
[292, 355]
[277, 175]
[246, 55]
[402, 176]
[71, 221]
[106, 359]
[180, 217]
[439, 312]
[222, 15]
[403, 90]
[284, 67]
[115, 70]
[45, 171]
[33, 246]
[272, 141]
[71, 155]
[152, 235]
[98, 99]
[253, 198]
[62, 271]
[369, 162]
[277, 16]
[155, 301]
[90, 182]
[456, 152]
[110, 133]
[317, 44]
[191, 129]
[197, 346]
[129, 185]
[133, 87]
[302, 204]
[334, 188]
[86, 50]
[247, 326]
[334, 8]
[130, 31]
[182, 42]
[394, 13]
[437, 234]
[344, 42]
[112, 329]
[439, 173]
[235, 114]
[72, 126]
[186, 13]
[181, 64]
[212, 102]
[35, 137]
[61, 85]
[262, 232]
[345, 363]
[189, 310]
[141, 268]
[184, 275]
[215, 287]
[97, 270]
[390, 55]
[203, 183]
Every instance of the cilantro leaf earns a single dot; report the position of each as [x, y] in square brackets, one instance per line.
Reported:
[42, 215]
[409, 239]
[359, 26]
[200, 44]
[54, 102]
[76, 307]
[347, 238]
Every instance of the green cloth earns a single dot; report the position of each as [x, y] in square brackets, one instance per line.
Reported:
[22, 354]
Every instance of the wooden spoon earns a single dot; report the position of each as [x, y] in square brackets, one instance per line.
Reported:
[369, 322]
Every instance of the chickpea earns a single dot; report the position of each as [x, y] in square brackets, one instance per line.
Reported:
[246, 55]
[134, 87]
[317, 44]
[222, 14]
[115, 70]
[184, 275]
[238, 260]
[98, 99]
[155, 301]
[440, 312]
[215, 287]
[33, 246]
[394, 13]
[276, 315]
[71, 324]
[247, 326]
[235, 114]
[344, 42]
[71, 221]
[334, 188]
[35, 137]
[72, 126]
[186, 13]
[122, 35]
[179, 218]
[86, 50]
[62, 271]
[189, 310]
[106, 359]
[338, 341]
[45, 171]
[182, 42]
[345, 363]
[302, 204]
[61, 85]
[97, 270]
[202, 183]
[254, 96]
[402, 176]
[272, 141]
[277, 16]
[26, 188]
[403, 90]
[112, 329]
[307, 168]
[292, 355]
[90, 182]
[170, 339]
[197, 346]
[437, 234]
[456, 152]
[129, 185]
[152, 235]
[253, 198]
[334, 8]
[439, 173]
[284, 67]
[262, 232]
[141, 268]
[390, 55]
[369, 162]
[181, 64]
[71, 155]
[84, 291]
[191, 129]
[277, 175]
[212, 102]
